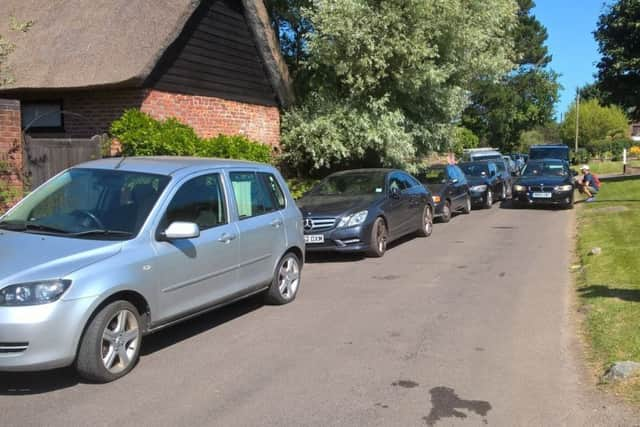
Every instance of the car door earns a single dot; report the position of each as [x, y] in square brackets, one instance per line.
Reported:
[397, 207]
[462, 187]
[195, 273]
[261, 224]
[417, 198]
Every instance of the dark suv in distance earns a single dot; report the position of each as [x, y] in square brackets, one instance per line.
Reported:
[549, 151]
[544, 182]
[363, 210]
[449, 189]
[504, 173]
[484, 182]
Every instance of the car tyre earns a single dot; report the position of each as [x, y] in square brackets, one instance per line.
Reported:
[426, 223]
[286, 280]
[503, 194]
[568, 204]
[113, 335]
[378, 239]
[488, 199]
[466, 209]
[446, 212]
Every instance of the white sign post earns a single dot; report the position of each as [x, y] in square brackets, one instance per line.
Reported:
[624, 161]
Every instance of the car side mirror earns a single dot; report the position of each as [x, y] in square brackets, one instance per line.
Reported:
[394, 193]
[181, 230]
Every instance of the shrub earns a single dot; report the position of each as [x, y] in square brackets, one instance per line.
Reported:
[580, 157]
[142, 135]
[634, 151]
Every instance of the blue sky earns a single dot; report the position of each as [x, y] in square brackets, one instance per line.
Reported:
[570, 24]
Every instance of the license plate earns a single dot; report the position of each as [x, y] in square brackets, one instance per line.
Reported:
[542, 195]
[314, 238]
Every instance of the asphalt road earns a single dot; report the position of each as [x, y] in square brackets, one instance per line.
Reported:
[472, 326]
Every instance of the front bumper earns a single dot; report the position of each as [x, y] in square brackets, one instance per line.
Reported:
[41, 336]
[352, 239]
[478, 197]
[557, 198]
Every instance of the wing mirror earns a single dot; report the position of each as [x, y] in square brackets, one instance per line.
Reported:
[181, 230]
[394, 193]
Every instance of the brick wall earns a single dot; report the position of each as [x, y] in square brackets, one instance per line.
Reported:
[212, 116]
[10, 152]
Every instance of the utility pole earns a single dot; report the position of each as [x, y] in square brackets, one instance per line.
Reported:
[577, 118]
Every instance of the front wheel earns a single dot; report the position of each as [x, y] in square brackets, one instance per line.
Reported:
[111, 344]
[378, 239]
[488, 199]
[503, 195]
[466, 209]
[446, 212]
[286, 281]
[426, 223]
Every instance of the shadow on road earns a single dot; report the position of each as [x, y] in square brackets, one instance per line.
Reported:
[30, 383]
[601, 291]
[331, 257]
[508, 204]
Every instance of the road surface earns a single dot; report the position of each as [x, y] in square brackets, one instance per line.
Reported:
[472, 326]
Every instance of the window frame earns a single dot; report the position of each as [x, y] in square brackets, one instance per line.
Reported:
[260, 182]
[162, 225]
[44, 129]
[265, 176]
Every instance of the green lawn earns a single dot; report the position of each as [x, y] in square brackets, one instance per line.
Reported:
[609, 284]
[607, 167]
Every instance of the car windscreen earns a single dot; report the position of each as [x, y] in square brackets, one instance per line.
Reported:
[549, 153]
[475, 169]
[433, 176]
[89, 203]
[351, 184]
[545, 169]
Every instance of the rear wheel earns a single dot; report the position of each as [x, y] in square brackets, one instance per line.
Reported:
[466, 209]
[503, 195]
[488, 199]
[426, 223]
[446, 212]
[111, 344]
[378, 239]
[286, 281]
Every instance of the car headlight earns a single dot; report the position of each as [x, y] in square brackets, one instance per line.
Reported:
[34, 293]
[479, 188]
[567, 187]
[436, 199]
[519, 188]
[353, 220]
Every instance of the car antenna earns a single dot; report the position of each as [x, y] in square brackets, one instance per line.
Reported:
[120, 162]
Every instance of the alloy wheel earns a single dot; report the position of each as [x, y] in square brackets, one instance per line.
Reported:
[289, 277]
[428, 221]
[120, 341]
[381, 237]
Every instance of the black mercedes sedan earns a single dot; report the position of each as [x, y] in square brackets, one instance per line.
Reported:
[449, 188]
[485, 183]
[544, 182]
[363, 210]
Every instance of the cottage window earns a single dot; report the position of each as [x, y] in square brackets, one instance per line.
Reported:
[42, 116]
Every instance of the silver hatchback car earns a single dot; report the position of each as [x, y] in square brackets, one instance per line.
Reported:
[111, 250]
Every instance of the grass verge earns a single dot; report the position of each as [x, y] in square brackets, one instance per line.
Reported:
[609, 167]
[609, 284]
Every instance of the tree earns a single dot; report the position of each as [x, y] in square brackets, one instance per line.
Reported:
[501, 110]
[618, 37]
[591, 91]
[386, 80]
[596, 123]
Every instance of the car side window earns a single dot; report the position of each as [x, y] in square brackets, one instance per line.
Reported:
[462, 179]
[274, 188]
[396, 183]
[199, 200]
[412, 182]
[253, 198]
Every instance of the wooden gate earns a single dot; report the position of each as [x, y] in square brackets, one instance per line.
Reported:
[45, 157]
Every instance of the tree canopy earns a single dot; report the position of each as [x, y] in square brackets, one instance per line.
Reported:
[385, 81]
[597, 122]
[523, 99]
[618, 37]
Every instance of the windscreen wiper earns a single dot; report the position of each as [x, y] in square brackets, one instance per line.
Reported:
[30, 226]
[101, 232]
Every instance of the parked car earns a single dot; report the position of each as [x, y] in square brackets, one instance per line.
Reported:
[363, 210]
[549, 151]
[484, 182]
[115, 249]
[544, 182]
[511, 165]
[478, 154]
[449, 189]
[506, 178]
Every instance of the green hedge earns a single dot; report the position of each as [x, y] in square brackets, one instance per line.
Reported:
[142, 135]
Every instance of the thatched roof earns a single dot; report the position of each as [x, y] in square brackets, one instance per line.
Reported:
[114, 43]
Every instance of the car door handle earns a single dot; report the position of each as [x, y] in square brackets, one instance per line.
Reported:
[226, 237]
[276, 223]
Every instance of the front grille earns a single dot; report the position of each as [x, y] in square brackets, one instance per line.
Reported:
[13, 347]
[319, 224]
[541, 189]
